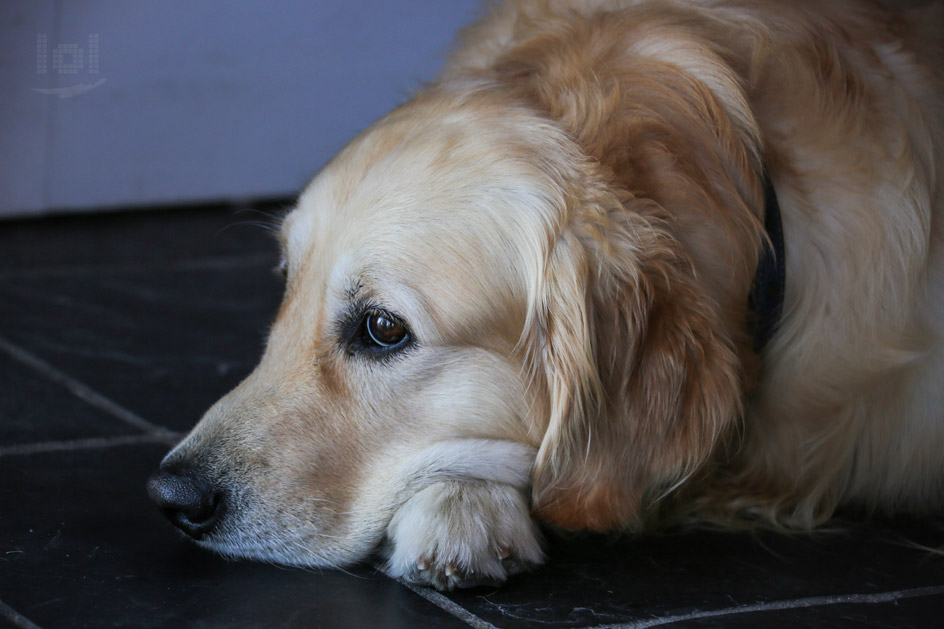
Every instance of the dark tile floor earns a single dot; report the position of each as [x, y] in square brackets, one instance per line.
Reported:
[117, 331]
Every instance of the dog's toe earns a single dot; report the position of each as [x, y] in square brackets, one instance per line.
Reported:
[451, 576]
[461, 535]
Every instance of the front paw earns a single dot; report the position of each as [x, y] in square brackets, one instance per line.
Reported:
[459, 534]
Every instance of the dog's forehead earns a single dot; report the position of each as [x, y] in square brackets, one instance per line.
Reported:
[444, 184]
[455, 207]
[436, 229]
[391, 250]
[296, 228]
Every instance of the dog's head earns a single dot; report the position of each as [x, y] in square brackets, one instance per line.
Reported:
[467, 297]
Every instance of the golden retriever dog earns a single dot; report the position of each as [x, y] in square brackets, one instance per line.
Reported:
[627, 263]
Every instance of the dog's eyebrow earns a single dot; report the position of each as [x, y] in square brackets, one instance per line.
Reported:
[353, 290]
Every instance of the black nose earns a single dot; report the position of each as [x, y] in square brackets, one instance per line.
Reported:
[191, 504]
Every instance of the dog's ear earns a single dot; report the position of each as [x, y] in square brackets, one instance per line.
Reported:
[640, 377]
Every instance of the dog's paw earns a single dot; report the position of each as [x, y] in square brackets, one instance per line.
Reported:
[459, 534]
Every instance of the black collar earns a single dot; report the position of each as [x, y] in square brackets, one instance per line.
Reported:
[765, 303]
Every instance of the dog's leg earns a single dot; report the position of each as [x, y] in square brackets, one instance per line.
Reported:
[461, 534]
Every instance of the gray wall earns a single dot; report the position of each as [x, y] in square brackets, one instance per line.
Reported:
[190, 100]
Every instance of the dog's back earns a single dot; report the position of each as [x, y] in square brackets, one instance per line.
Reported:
[842, 103]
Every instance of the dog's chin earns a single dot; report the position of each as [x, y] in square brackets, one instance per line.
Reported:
[248, 530]
[278, 548]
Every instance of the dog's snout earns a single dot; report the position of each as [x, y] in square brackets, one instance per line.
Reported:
[190, 503]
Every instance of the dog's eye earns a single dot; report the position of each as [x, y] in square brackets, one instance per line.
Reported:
[384, 330]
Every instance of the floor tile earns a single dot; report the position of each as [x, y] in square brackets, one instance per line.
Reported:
[924, 612]
[161, 313]
[596, 581]
[33, 408]
[91, 551]
[164, 344]
[137, 238]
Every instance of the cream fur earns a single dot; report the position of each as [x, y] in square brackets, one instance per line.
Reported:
[569, 222]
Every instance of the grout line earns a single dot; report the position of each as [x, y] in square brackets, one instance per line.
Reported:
[448, 606]
[206, 264]
[16, 617]
[85, 444]
[83, 391]
[796, 603]
[440, 601]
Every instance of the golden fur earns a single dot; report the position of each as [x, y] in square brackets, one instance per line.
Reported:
[569, 222]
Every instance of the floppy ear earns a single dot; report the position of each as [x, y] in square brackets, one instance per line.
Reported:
[641, 378]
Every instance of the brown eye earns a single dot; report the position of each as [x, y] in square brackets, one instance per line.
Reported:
[384, 330]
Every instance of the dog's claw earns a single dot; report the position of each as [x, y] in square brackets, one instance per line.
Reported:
[422, 564]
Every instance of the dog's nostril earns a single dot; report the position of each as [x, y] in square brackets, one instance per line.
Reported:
[190, 504]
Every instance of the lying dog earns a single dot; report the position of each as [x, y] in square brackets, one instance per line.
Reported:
[626, 262]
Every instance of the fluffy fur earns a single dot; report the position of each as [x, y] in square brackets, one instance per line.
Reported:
[568, 222]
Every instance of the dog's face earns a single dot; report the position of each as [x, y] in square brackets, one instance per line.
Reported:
[397, 345]
[468, 300]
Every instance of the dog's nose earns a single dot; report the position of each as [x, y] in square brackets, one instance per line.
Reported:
[190, 504]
